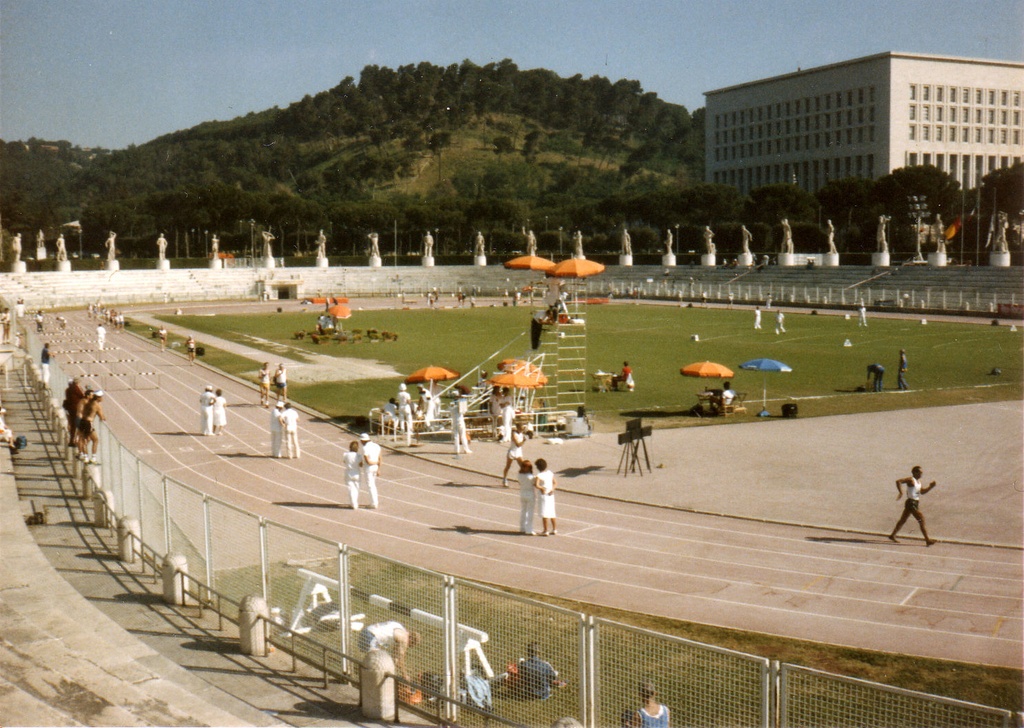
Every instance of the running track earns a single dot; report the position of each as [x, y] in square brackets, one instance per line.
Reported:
[956, 601]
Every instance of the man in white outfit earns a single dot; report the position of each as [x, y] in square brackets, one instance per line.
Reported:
[862, 313]
[780, 322]
[370, 453]
[290, 425]
[757, 317]
[206, 400]
[276, 430]
[405, 423]
[101, 336]
[459, 434]
[352, 460]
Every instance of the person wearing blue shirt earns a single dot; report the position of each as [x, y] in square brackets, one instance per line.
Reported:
[536, 676]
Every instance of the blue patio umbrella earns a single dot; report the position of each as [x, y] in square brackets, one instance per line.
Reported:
[765, 366]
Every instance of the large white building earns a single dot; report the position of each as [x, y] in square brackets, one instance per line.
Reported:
[864, 118]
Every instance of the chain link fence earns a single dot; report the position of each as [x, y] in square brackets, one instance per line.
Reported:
[480, 646]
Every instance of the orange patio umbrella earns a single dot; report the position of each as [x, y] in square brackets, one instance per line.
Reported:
[519, 380]
[575, 268]
[706, 369]
[340, 311]
[431, 374]
[530, 262]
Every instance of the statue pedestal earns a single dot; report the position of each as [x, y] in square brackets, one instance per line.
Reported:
[937, 260]
[480, 260]
[113, 265]
[269, 263]
[40, 253]
[830, 260]
[669, 260]
[787, 260]
[19, 267]
[745, 260]
[321, 262]
[708, 260]
[63, 266]
[880, 260]
[579, 257]
[427, 261]
[163, 264]
[625, 260]
[375, 261]
[999, 260]
[216, 263]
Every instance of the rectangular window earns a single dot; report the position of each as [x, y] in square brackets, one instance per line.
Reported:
[938, 133]
[938, 93]
[1002, 136]
[913, 159]
[938, 113]
[965, 97]
[952, 94]
[991, 98]
[977, 116]
[926, 113]
[913, 132]
[991, 116]
[991, 136]
[1004, 98]
[925, 133]
[926, 93]
[1016, 118]
[952, 114]
[952, 133]
[1004, 118]
[978, 95]
[1016, 136]
[977, 136]
[1016, 98]
[849, 98]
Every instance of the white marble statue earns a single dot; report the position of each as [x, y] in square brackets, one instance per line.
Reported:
[709, 241]
[668, 242]
[627, 242]
[531, 243]
[215, 246]
[40, 240]
[16, 248]
[577, 242]
[62, 250]
[832, 238]
[321, 245]
[883, 244]
[479, 245]
[374, 246]
[747, 237]
[268, 248]
[111, 246]
[939, 235]
[1002, 225]
[787, 237]
[161, 247]
[428, 245]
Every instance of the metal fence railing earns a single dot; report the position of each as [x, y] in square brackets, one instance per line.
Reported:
[322, 593]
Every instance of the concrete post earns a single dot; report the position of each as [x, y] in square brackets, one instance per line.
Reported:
[129, 532]
[92, 478]
[376, 688]
[173, 565]
[252, 629]
[103, 506]
[77, 468]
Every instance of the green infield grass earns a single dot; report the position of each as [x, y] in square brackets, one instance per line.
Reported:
[950, 363]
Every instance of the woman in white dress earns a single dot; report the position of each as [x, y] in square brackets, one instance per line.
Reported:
[220, 413]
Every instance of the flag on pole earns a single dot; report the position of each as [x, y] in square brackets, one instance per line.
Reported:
[957, 225]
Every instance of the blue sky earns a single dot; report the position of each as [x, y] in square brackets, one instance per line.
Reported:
[118, 72]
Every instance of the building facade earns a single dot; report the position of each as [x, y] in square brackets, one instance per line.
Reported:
[864, 118]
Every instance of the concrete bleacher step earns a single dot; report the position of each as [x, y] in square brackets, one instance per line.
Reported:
[64, 662]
